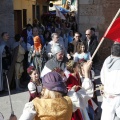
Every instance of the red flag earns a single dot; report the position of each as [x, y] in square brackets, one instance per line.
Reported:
[114, 32]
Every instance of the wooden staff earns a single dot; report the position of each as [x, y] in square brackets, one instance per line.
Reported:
[12, 112]
[105, 34]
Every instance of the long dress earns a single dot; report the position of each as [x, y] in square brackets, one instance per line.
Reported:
[77, 115]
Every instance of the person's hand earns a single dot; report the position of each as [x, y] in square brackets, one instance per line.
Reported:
[87, 66]
[75, 87]
[13, 117]
[68, 56]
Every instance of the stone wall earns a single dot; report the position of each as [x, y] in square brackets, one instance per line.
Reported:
[6, 17]
[98, 14]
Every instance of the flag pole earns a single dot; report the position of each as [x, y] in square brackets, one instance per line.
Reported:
[105, 34]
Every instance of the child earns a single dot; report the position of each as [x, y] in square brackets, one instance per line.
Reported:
[92, 102]
[84, 88]
[34, 86]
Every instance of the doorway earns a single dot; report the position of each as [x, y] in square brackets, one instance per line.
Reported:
[18, 21]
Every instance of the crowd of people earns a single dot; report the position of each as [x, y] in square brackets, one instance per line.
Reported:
[55, 60]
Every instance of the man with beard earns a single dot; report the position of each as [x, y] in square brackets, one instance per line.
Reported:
[57, 61]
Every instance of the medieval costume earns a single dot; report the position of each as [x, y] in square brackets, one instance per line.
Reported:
[34, 86]
[34, 56]
[19, 49]
[110, 78]
[5, 62]
[53, 62]
[51, 109]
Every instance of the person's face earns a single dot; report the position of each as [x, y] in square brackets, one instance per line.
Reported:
[6, 36]
[82, 48]
[21, 39]
[77, 37]
[59, 32]
[60, 56]
[77, 69]
[88, 34]
[55, 38]
[35, 32]
[34, 76]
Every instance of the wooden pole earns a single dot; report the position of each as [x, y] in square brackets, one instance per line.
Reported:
[101, 41]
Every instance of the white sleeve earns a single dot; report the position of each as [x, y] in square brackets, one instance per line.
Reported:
[45, 71]
[66, 72]
[31, 87]
[87, 85]
[28, 112]
[75, 99]
[78, 99]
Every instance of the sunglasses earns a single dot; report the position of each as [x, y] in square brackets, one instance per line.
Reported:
[87, 34]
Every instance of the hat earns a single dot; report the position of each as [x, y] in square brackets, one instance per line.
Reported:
[54, 82]
[56, 49]
[30, 69]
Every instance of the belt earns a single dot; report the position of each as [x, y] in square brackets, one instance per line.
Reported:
[19, 62]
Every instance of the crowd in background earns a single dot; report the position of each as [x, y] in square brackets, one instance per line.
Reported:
[54, 46]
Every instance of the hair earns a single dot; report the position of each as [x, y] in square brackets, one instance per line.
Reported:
[93, 29]
[71, 65]
[48, 94]
[3, 33]
[78, 33]
[28, 25]
[79, 47]
[115, 50]
[53, 34]
[17, 37]
[30, 70]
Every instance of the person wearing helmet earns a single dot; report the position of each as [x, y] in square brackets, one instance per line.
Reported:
[57, 61]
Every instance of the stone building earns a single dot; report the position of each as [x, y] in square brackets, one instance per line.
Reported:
[98, 14]
[15, 14]
[6, 17]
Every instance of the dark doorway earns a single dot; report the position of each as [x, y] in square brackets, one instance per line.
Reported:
[24, 17]
[18, 21]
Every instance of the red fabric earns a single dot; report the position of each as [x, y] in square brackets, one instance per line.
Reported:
[73, 81]
[70, 83]
[114, 32]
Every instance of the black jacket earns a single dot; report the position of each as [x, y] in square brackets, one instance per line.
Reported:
[92, 47]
